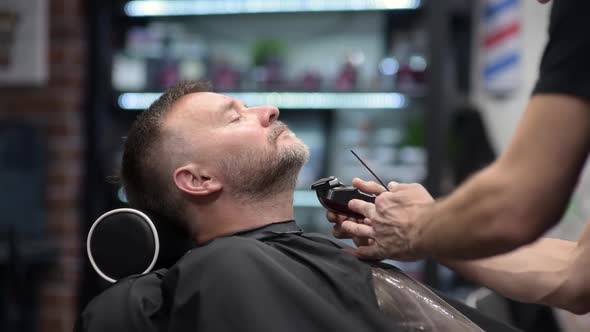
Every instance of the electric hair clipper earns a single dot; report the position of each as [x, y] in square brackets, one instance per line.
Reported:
[334, 195]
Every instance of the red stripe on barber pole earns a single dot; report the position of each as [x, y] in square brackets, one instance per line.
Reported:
[501, 41]
[502, 34]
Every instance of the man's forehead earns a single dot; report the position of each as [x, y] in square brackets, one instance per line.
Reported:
[202, 101]
[195, 110]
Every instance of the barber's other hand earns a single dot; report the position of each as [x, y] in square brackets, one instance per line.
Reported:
[391, 221]
[339, 233]
[369, 187]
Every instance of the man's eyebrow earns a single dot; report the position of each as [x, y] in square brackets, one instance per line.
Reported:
[227, 105]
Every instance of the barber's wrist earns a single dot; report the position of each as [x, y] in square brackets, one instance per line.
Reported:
[417, 242]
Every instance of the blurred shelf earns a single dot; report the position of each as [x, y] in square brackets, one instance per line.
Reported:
[142, 8]
[290, 100]
[306, 198]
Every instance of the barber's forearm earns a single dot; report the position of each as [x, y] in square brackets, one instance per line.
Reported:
[548, 271]
[480, 219]
[537, 273]
[522, 194]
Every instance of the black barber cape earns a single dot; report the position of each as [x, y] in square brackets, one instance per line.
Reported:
[274, 278]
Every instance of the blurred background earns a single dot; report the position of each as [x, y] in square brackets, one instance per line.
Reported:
[424, 91]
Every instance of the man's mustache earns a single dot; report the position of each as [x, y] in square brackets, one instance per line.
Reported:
[277, 129]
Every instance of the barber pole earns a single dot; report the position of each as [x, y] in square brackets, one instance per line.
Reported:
[501, 41]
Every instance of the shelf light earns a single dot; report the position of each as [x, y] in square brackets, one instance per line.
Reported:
[290, 100]
[225, 7]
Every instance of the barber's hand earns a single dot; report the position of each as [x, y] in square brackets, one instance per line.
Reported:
[390, 223]
[369, 187]
[339, 233]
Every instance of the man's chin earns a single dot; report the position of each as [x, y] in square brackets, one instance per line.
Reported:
[298, 152]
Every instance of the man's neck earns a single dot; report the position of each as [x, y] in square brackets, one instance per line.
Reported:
[228, 215]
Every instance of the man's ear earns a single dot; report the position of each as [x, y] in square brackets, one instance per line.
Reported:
[196, 181]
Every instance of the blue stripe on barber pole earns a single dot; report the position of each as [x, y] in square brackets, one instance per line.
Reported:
[503, 63]
[501, 45]
[498, 7]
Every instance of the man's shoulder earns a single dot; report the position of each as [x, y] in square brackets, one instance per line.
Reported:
[223, 255]
[226, 248]
[239, 249]
[248, 257]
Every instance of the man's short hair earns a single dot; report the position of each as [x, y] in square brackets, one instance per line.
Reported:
[144, 178]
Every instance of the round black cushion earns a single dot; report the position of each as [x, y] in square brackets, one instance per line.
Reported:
[123, 243]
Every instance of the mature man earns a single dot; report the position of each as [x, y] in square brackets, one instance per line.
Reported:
[511, 203]
[226, 173]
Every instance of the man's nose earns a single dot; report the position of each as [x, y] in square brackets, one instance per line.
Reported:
[267, 114]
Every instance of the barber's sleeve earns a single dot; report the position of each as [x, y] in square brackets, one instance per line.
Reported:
[565, 66]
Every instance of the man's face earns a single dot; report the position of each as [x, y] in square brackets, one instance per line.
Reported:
[254, 153]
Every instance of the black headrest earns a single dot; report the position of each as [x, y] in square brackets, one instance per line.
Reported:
[124, 242]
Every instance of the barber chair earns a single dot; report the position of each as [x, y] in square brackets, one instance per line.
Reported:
[125, 242]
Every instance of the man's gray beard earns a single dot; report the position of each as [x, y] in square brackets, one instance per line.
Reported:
[253, 175]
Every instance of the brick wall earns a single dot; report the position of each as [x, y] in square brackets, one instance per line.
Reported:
[57, 107]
